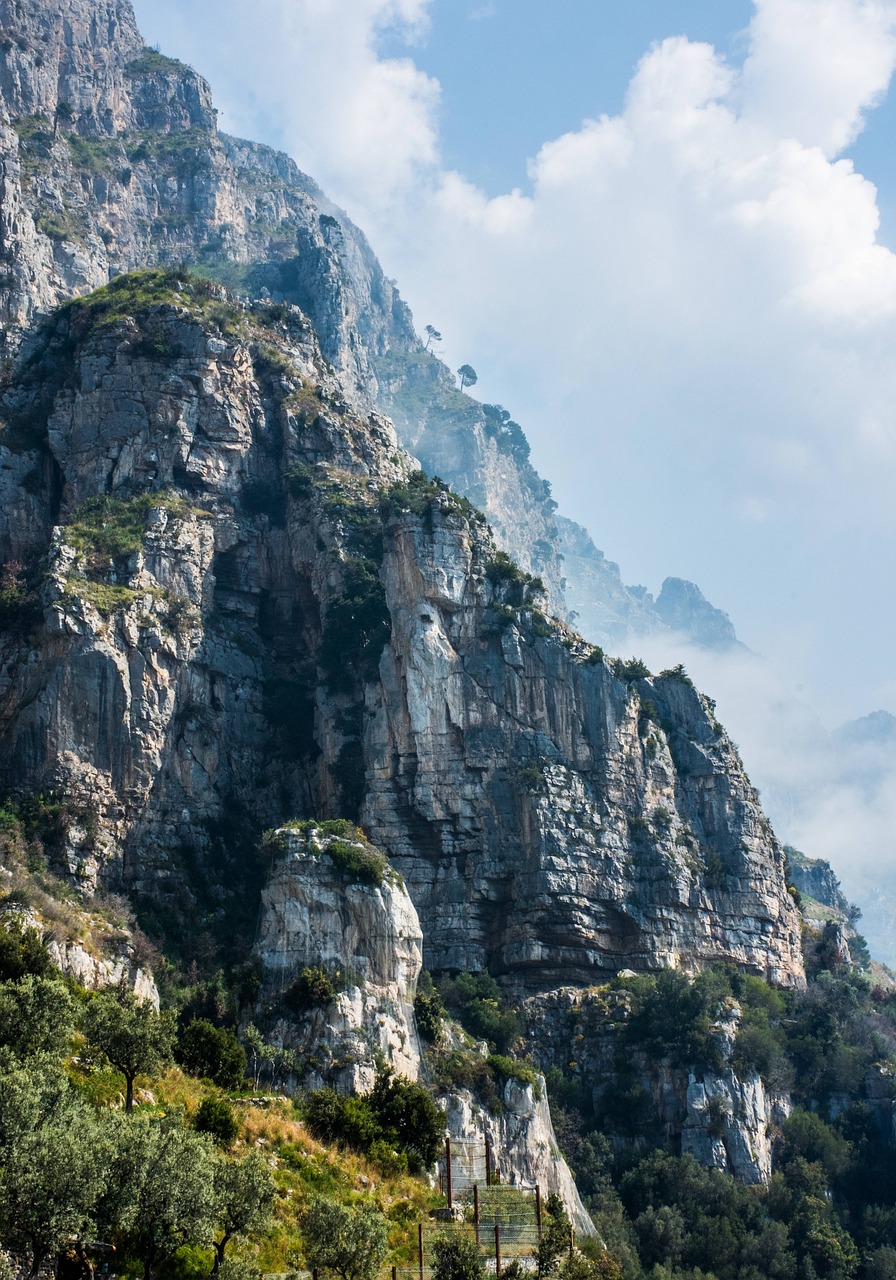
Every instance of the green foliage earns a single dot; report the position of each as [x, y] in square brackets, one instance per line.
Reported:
[314, 988]
[428, 1011]
[504, 1069]
[482, 1009]
[677, 673]
[54, 1159]
[215, 1116]
[213, 1053]
[162, 1190]
[152, 63]
[36, 1015]
[128, 1034]
[420, 494]
[396, 1112]
[244, 1193]
[357, 626]
[364, 864]
[507, 434]
[457, 1258]
[113, 528]
[349, 1242]
[555, 1242]
[630, 669]
[671, 1019]
[22, 951]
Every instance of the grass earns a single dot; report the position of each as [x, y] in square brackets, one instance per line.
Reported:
[151, 62]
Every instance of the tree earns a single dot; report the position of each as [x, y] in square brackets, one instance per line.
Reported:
[259, 1052]
[555, 1240]
[162, 1190]
[54, 1156]
[22, 951]
[457, 1258]
[36, 1015]
[245, 1193]
[213, 1053]
[64, 113]
[432, 335]
[468, 376]
[350, 1242]
[408, 1118]
[129, 1034]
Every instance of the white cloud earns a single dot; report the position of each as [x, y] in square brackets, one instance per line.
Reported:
[688, 310]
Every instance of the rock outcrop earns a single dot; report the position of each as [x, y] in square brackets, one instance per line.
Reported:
[522, 1140]
[726, 1120]
[248, 604]
[333, 905]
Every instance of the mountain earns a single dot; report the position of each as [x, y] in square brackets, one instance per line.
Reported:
[323, 727]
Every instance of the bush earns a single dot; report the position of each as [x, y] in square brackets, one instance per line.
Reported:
[358, 863]
[314, 988]
[212, 1053]
[216, 1117]
[481, 1008]
[457, 1258]
[397, 1115]
[22, 951]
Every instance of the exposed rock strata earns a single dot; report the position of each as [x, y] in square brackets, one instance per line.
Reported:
[522, 1138]
[725, 1120]
[554, 816]
[366, 937]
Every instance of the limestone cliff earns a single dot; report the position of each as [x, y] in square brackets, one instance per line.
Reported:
[247, 605]
[333, 905]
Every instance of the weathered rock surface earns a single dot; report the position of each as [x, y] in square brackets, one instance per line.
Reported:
[725, 1120]
[554, 816]
[522, 1138]
[365, 936]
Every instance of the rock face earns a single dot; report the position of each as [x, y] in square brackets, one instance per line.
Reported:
[259, 633]
[316, 913]
[230, 598]
[617, 616]
[725, 1120]
[522, 1138]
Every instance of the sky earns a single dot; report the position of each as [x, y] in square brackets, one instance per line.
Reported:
[664, 234]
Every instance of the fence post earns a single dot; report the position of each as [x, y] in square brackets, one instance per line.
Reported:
[538, 1208]
[420, 1246]
[395, 1273]
[498, 1251]
[448, 1171]
[488, 1163]
[572, 1241]
[476, 1209]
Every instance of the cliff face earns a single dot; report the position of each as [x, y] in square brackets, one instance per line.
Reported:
[353, 922]
[245, 606]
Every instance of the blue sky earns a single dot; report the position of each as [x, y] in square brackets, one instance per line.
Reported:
[516, 72]
[689, 305]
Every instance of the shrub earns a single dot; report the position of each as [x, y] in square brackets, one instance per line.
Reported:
[22, 951]
[212, 1053]
[457, 1258]
[429, 1012]
[314, 988]
[355, 862]
[216, 1117]
[630, 669]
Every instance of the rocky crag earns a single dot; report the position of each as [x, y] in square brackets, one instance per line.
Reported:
[230, 598]
[244, 602]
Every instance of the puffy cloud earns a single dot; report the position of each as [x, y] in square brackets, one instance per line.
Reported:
[688, 308]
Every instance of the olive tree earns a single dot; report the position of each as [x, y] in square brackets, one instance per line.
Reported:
[245, 1191]
[162, 1190]
[129, 1034]
[350, 1242]
[55, 1154]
